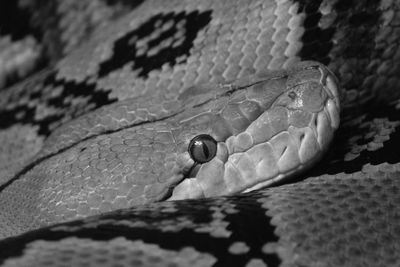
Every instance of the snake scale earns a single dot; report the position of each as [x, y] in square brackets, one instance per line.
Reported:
[107, 58]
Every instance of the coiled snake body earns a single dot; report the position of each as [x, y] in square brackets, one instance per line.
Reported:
[91, 135]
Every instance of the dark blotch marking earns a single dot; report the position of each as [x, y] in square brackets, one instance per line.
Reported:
[70, 89]
[125, 50]
[317, 41]
[355, 20]
[333, 162]
[250, 225]
[16, 21]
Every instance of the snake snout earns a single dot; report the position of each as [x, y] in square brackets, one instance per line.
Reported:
[293, 134]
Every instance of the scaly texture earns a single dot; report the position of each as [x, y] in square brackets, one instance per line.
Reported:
[342, 213]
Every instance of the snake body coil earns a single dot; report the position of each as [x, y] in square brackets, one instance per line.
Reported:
[107, 132]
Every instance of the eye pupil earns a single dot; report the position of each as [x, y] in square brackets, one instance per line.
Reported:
[202, 148]
[206, 152]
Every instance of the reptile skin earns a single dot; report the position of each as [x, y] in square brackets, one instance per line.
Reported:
[343, 212]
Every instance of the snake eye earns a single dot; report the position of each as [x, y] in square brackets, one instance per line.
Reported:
[202, 148]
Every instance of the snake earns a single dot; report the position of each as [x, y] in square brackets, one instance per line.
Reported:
[141, 137]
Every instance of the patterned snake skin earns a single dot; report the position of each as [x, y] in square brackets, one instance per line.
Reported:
[343, 212]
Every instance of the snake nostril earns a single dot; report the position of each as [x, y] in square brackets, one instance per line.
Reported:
[292, 95]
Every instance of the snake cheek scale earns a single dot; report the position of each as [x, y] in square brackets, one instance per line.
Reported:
[121, 73]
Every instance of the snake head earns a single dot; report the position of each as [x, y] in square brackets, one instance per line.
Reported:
[292, 125]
